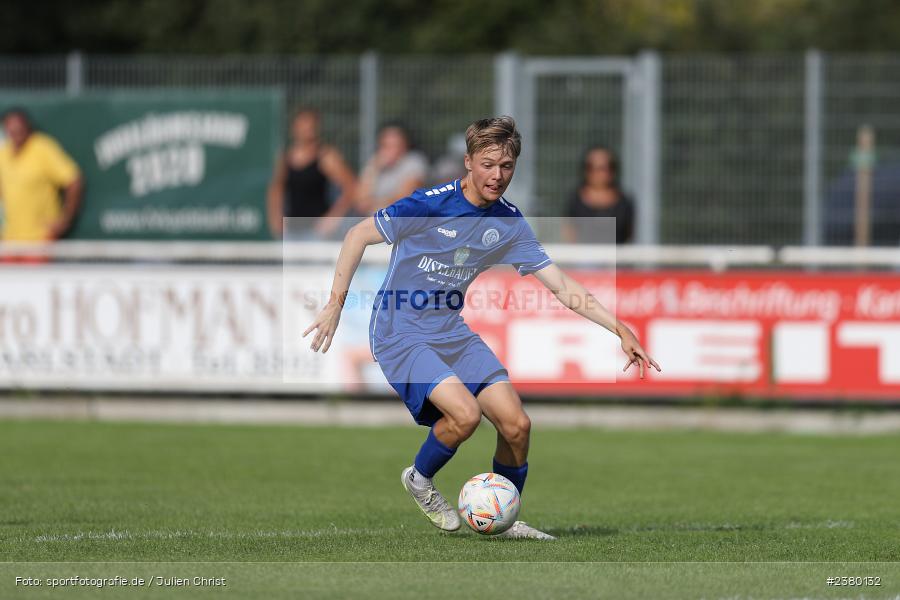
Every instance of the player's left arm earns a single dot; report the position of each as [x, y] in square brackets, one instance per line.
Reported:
[575, 297]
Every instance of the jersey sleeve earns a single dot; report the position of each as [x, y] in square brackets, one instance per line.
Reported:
[525, 252]
[401, 218]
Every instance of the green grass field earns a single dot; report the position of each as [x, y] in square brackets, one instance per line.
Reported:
[283, 510]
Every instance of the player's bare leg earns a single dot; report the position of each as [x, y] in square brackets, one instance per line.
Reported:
[501, 404]
[461, 411]
[461, 416]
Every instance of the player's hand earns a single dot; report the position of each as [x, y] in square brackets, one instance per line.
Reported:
[325, 325]
[635, 353]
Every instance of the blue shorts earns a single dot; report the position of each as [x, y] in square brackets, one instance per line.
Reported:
[415, 370]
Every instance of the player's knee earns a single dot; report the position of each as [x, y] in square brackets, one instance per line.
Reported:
[517, 430]
[467, 420]
[525, 425]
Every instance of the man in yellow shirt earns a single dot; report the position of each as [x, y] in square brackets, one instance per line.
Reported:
[33, 170]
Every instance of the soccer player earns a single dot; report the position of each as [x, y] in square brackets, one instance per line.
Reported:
[443, 238]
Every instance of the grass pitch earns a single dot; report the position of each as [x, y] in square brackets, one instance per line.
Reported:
[283, 510]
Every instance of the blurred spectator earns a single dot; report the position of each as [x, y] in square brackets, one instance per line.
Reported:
[451, 165]
[301, 182]
[33, 170]
[395, 170]
[840, 206]
[598, 195]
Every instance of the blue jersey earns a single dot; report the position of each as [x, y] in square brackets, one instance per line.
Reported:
[441, 242]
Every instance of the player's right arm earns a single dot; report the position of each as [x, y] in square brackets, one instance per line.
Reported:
[575, 297]
[359, 237]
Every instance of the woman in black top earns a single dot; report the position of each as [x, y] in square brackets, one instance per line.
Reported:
[599, 195]
[300, 183]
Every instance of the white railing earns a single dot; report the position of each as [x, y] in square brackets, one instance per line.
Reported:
[717, 258]
[804, 256]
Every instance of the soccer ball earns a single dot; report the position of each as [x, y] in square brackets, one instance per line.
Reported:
[489, 503]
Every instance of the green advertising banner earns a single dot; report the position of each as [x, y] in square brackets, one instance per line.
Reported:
[166, 165]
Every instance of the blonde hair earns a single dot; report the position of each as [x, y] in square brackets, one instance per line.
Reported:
[497, 131]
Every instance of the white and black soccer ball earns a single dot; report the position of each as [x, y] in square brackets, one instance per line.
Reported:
[489, 503]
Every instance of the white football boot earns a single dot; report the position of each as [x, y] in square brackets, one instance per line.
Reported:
[522, 530]
[422, 489]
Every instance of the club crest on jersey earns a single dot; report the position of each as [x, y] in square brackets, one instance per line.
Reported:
[460, 256]
[490, 237]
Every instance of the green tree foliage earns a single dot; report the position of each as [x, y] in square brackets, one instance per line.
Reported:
[447, 26]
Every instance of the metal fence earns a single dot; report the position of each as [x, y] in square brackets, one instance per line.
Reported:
[732, 148]
[715, 149]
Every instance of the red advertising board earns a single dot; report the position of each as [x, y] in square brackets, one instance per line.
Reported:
[758, 334]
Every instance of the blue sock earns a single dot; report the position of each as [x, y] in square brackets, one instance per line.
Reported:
[432, 456]
[515, 474]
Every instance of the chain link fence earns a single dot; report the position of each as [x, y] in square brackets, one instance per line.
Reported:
[329, 83]
[435, 97]
[732, 150]
[742, 159]
[573, 113]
